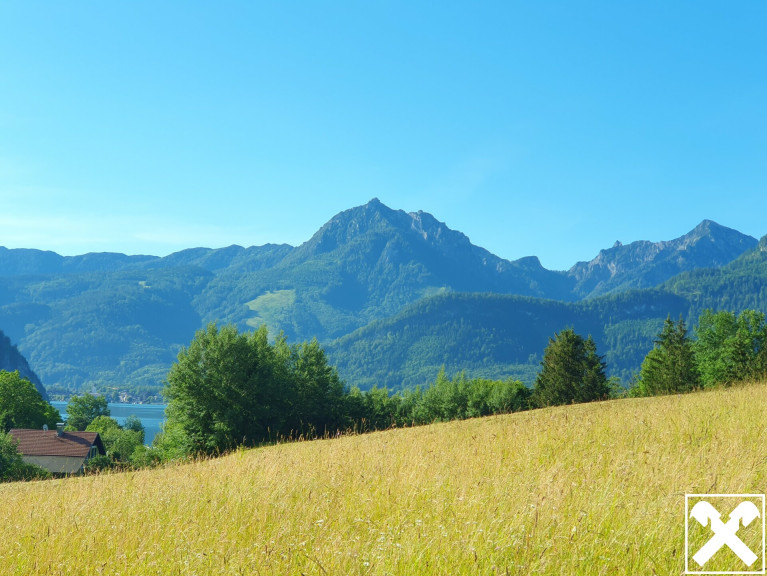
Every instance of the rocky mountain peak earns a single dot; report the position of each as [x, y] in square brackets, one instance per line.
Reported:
[364, 222]
[643, 263]
[529, 263]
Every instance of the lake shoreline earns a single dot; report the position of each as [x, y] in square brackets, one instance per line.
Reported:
[152, 416]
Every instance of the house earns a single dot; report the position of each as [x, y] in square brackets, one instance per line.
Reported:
[58, 451]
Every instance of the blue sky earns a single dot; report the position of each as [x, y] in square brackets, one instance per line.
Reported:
[536, 128]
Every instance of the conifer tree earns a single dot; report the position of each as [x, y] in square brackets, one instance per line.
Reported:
[670, 367]
[731, 348]
[571, 371]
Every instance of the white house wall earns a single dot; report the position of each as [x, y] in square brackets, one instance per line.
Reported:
[57, 464]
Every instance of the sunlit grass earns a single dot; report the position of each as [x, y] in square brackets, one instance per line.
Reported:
[587, 489]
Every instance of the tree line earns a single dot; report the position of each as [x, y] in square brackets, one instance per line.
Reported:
[229, 389]
[726, 348]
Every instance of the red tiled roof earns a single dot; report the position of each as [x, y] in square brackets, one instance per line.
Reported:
[49, 443]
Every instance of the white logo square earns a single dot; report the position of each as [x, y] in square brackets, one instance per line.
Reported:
[715, 546]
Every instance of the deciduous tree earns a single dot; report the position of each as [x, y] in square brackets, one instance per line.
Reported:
[82, 410]
[12, 466]
[119, 442]
[317, 399]
[22, 406]
[226, 389]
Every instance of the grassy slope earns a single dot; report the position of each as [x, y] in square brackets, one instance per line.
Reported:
[271, 308]
[587, 489]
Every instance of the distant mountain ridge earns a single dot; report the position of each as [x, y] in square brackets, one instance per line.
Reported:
[27, 261]
[644, 264]
[111, 320]
[451, 257]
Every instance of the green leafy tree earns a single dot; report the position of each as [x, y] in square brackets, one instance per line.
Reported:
[134, 423]
[124, 443]
[172, 442]
[227, 389]
[443, 400]
[463, 397]
[12, 466]
[145, 456]
[506, 396]
[571, 371]
[318, 393]
[10, 459]
[374, 409]
[22, 406]
[670, 367]
[82, 410]
[103, 425]
[119, 442]
[731, 348]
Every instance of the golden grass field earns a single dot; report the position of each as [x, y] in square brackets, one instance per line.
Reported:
[586, 489]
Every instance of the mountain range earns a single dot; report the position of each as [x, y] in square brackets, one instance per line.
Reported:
[393, 296]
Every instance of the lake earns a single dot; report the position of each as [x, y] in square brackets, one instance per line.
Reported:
[151, 415]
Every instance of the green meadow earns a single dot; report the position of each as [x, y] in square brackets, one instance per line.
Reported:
[583, 489]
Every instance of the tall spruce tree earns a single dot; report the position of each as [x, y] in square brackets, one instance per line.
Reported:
[670, 367]
[571, 371]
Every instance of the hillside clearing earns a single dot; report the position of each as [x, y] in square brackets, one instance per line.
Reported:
[584, 489]
[270, 307]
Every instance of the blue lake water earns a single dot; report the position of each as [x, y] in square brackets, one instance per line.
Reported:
[151, 415]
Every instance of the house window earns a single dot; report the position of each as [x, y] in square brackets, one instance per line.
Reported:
[93, 453]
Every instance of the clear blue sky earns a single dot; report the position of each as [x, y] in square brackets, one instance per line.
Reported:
[536, 128]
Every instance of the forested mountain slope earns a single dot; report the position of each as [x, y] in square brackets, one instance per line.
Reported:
[11, 360]
[498, 336]
[503, 336]
[737, 285]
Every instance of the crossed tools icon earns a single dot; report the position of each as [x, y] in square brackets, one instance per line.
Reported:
[725, 533]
